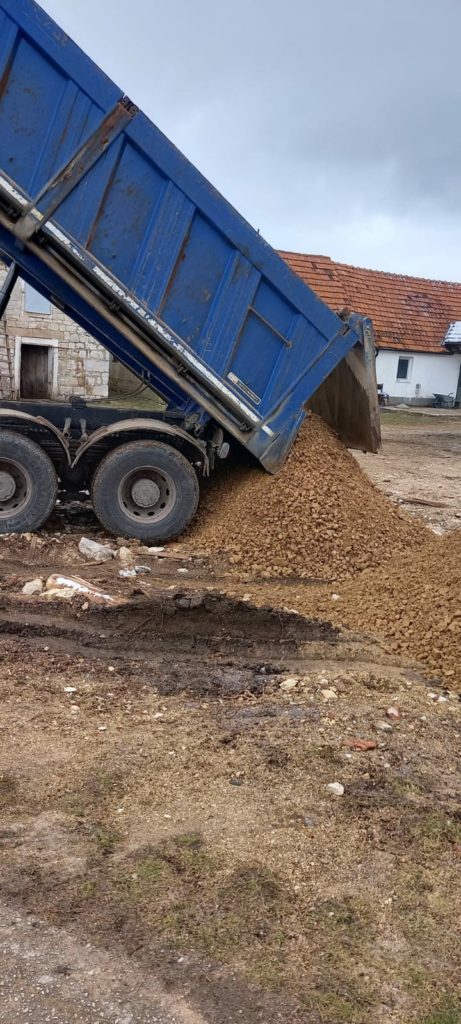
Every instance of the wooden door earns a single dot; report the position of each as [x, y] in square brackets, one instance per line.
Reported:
[35, 371]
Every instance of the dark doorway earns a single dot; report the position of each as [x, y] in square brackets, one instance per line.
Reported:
[35, 361]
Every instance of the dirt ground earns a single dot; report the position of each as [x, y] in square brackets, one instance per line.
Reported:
[419, 465]
[164, 774]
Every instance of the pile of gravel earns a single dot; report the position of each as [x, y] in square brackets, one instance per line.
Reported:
[320, 518]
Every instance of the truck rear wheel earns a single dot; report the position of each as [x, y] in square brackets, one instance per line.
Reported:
[28, 484]
[145, 489]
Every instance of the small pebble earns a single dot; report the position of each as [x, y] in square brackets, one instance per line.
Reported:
[289, 684]
[336, 788]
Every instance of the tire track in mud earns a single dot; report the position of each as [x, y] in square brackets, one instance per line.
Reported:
[188, 640]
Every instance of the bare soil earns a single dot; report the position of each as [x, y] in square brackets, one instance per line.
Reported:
[419, 465]
[163, 783]
[174, 807]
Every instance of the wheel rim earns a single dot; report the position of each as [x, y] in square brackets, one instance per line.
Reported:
[147, 494]
[15, 488]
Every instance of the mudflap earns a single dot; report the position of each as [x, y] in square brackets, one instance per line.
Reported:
[348, 399]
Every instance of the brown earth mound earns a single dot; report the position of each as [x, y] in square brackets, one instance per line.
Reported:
[413, 602]
[320, 518]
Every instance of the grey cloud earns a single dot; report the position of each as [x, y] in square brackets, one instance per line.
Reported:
[334, 127]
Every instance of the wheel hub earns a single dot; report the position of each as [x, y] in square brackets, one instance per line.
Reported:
[7, 486]
[145, 493]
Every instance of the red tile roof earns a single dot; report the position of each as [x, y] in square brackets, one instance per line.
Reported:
[409, 313]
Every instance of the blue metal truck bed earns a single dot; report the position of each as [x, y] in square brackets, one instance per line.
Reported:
[103, 215]
[95, 193]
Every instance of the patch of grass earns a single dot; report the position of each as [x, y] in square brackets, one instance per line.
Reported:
[447, 1013]
[189, 898]
[87, 890]
[251, 917]
[325, 751]
[342, 916]
[406, 788]
[406, 418]
[105, 839]
[333, 1008]
[437, 831]
[92, 793]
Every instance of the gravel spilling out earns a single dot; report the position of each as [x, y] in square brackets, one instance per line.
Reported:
[320, 518]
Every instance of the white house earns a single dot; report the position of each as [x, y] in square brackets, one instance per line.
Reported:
[417, 324]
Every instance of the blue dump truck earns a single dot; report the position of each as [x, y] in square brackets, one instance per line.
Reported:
[103, 216]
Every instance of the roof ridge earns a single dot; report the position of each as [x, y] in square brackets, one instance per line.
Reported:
[369, 270]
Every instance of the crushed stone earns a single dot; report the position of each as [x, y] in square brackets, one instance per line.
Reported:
[320, 518]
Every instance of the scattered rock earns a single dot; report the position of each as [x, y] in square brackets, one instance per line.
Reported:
[289, 684]
[137, 570]
[95, 551]
[336, 788]
[58, 594]
[384, 727]
[329, 694]
[74, 586]
[363, 745]
[125, 555]
[394, 713]
[33, 587]
[70, 689]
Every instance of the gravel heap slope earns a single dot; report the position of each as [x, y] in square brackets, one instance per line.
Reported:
[320, 518]
[413, 602]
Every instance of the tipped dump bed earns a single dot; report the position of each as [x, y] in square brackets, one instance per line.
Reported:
[102, 213]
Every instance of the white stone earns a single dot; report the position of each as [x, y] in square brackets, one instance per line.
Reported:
[97, 552]
[384, 727]
[61, 594]
[336, 788]
[33, 587]
[125, 555]
[289, 684]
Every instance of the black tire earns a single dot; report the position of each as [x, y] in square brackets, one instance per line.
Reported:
[28, 484]
[125, 485]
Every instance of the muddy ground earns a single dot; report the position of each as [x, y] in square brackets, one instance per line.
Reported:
[163, 785]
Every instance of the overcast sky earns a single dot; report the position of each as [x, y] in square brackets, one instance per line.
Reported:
[334, 126]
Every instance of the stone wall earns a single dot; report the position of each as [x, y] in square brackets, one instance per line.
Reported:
[81, 365]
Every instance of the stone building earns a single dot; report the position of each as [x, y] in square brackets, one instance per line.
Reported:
[44, 354]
